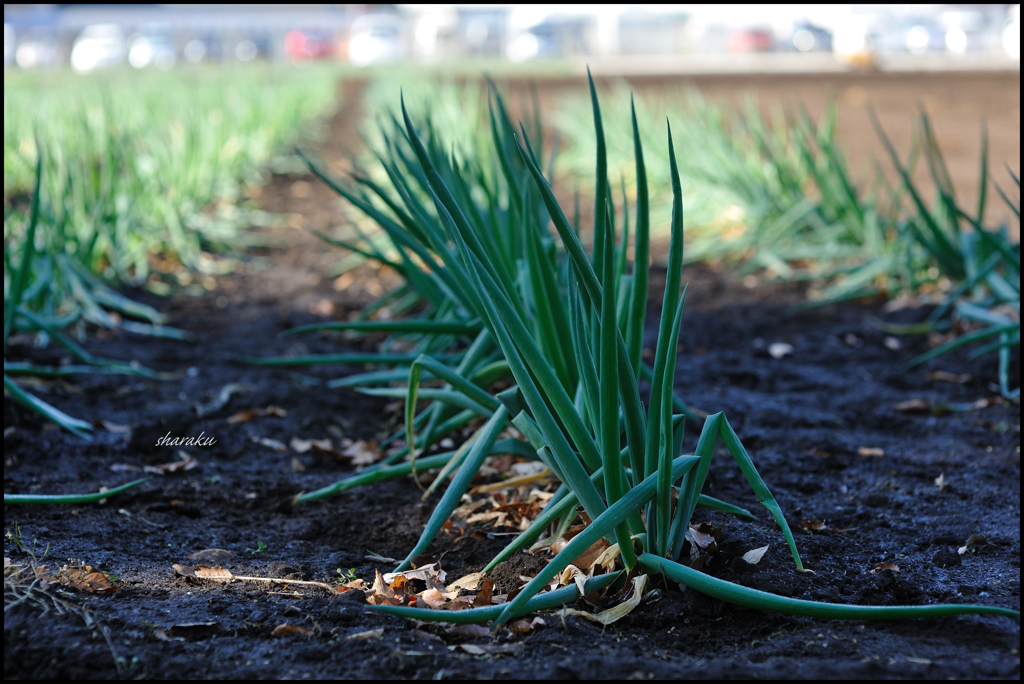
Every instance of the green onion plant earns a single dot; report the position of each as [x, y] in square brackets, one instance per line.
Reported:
[566, 327]
[951, 242]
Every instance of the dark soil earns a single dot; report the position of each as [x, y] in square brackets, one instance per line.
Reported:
[810, 420]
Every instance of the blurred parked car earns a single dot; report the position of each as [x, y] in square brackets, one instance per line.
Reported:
[151, 51]
[97, 47]
[751, 39]
[307, 44]
[203, 49]
[375, 38]
[1011, 34]
[807, 37]
[916, 35]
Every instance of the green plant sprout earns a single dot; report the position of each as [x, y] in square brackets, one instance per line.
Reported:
[348, 576]
[260, 547]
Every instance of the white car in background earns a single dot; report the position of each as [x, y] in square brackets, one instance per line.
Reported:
[375, 38]
[99, 46]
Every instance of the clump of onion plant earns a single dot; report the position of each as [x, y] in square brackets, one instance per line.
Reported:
[33, 304]
[451, 358]
[617, 459]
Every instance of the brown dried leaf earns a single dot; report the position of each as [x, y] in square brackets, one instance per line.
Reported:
[211, 556]
[111, 427]
[433, 598]
[184, 463]
[973, 542]
[470, 582]
[754, 556]
[871, 451]
[615, 613]
[160, 634]
[914, 406]
[428, 573]
[699, 539]
[274, 444]
[885, 566]
[284, 629]
[484, 597]
[524, 626]
[606, 561]
[85, 578]
[252, 413]
[575, 575]
[322, 446]
[362, 453]
[814, 526]
[369, 634]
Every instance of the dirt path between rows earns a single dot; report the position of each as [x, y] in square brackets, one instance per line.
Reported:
[881, 500]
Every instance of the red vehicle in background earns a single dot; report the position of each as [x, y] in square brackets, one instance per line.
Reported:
[306, 45]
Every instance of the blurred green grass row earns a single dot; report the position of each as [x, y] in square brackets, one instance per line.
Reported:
[143, 163]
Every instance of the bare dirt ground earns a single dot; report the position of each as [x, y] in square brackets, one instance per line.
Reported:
[882, 499]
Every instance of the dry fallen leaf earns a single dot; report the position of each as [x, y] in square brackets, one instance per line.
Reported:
[606, 561]
[184, 463]
[433, 598]
[591, 554]
[85, 578]
[274, 444]
[754, 556]
[523, 626]
[973, 542]
[470, 582]
[249, 414]
[284, 629]
[885, 566]
[428, 573]
[160, 634]
[111, 427]
[369, 634]
[946, 376]
[615, 613]
[871, 451]
[483, 599]
[914, 406]
[574, 575]
[362, 452]
[215, 572]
